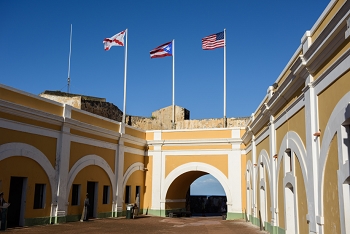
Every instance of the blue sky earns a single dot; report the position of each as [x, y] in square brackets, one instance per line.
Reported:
[261, 38]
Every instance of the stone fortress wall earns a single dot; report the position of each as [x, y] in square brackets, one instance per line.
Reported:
[160, 120]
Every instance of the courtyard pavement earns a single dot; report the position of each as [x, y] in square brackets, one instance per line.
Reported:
[147, 224]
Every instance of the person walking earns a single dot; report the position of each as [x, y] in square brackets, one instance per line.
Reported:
[3, 211]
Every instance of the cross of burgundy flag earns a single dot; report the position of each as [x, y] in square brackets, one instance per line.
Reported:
[116, 40]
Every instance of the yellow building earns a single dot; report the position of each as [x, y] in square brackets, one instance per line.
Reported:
[287, 170]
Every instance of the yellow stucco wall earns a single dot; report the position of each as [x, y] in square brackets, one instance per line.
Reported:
[330, 97]
[218, 161]
[18, 166]
[296, 123]
[91, 173]
[32, 102]
[197, 147]
[136, 179]
[78, 150]
[330, 190]
[249, 157]
[263, 145]
[200, 134]
[131, 145]
[94, 120]
[302, 201]
[130, 159]
[46, 145]
[30, 121]
[149, 136]
[147, 199]
[93, 136]
[289, 101]
[135, 133]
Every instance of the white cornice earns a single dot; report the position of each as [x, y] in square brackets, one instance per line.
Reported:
[195, 142]
[91, 129]
[30, 113]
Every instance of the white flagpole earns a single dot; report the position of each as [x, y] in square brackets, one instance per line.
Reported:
[173, 45]
[225, 120]
[70, 53]
[125, 68]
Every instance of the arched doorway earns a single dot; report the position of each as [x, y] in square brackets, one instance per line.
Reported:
[178, 181]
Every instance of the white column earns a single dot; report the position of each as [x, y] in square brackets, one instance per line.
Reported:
[235, 174]
[254, 182]
[62, 169]
[273, 166]
[157, 176]
[119, 174]
[312, 151]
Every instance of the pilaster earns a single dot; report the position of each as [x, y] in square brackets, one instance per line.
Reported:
[312, 151]
[59, 207]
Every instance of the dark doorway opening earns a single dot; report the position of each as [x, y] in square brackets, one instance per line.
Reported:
[15, 212]
[91, 189]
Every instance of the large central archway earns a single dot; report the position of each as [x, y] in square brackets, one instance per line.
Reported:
[178, 181]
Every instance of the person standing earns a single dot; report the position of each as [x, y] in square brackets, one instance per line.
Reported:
[3, 211]
[84, 215]
[86, 207]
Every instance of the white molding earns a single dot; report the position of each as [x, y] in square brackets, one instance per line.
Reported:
[134, 167]
[20, 149]
[332, 74]
[290, 111]
[339, 115]
[198, 166]
[32, 129]
[85, 161]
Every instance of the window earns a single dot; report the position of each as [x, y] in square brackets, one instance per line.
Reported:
[105, 199]
[75, 194]
[39, 196]
[288, 161]
[127, 194]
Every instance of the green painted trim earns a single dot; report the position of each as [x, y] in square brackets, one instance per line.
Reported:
[268, 227]
[254, 220]
[105, 215]
[119, 214]
[73, 218]
[160, 213]
[231, 216]
[61, 219]
[37, 221]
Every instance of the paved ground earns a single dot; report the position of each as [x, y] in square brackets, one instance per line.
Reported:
[147, 224]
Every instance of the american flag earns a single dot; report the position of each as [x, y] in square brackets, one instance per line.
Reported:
[162, 51]
[213, 41]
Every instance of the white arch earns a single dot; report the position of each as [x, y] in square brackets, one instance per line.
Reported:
[21, 149]
[87, 161]
[292, 141]
[264, 158]
[249, 176]
[138, 166]
[198, 166]
[339, 115]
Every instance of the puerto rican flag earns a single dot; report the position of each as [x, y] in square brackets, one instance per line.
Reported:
[116, 40]
[162, 50]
